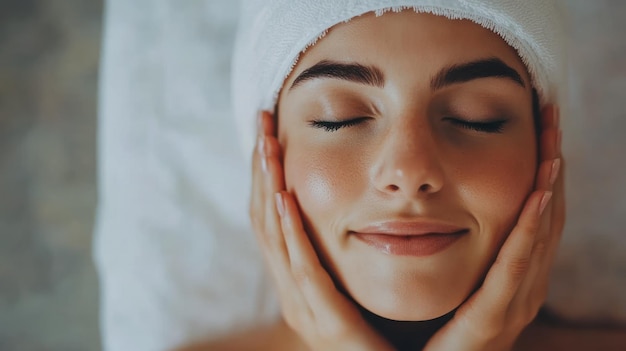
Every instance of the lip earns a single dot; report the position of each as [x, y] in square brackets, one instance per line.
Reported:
[418, 238]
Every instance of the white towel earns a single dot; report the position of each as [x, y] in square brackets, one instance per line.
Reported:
[272, 35]
[176, 256]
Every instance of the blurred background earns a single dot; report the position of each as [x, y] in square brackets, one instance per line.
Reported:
[49, 55]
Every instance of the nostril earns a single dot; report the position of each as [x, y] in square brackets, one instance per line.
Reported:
[393, 187]
[425, 188]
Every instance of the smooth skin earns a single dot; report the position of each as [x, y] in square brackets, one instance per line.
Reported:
[406, 158]
[408, 154]
[314, 286]
[325, 319]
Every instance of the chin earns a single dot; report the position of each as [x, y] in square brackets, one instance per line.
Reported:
[419, 300]
[413, 311]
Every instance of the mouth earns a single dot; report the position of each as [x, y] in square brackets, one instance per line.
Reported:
[410, 239]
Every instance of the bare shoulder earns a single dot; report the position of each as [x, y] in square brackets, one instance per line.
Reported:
[543, 336]
[277, 336]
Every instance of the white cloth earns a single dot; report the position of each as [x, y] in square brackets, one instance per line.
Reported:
[173, 248]
[272, 34]
[176, 258]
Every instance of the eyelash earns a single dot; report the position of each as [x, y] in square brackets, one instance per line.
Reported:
[335, 126]
[483, 127]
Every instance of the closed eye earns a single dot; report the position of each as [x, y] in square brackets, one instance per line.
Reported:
[331, 126]
[483, 127]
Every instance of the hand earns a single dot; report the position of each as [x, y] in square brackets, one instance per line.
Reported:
[310, 303]
[517, 283]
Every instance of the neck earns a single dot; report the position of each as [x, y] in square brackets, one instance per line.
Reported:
[405, 335]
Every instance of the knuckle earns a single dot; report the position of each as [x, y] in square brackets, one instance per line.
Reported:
[532, 227]
[517, 268]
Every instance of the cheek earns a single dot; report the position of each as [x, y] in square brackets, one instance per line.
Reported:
[314, 184]
[496, 190]
[325, 183]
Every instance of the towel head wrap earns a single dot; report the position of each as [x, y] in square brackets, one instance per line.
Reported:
[273, 34]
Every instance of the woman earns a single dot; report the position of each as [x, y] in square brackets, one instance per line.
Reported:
[407, 191]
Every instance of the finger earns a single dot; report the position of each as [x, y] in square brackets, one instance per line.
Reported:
[273, 183]
[549, 133]
[550, 117]
[534, 288]
[547, 175]
[267, 180]
[554, 221]
[266, 123]
[325, 301]
[257, 196]
[294, 306]
[557, 222]
[548, 171]
[531, 293]
[256, 209]
[491, 302]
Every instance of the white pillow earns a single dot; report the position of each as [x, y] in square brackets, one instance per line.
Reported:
[176, 256]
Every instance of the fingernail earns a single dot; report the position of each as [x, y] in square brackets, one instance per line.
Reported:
[280, 205]
[544, 201]
[261, 145]
[554, 172]
[264, 164]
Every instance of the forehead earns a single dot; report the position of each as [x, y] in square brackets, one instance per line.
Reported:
[408, 42]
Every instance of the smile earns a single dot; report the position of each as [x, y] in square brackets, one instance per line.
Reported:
[410, 245]
[418, 239]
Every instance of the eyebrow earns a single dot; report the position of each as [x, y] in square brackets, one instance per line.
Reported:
[372, 75]
[354, 72]
[485, 68]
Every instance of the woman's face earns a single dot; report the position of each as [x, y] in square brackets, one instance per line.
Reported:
[410, 145]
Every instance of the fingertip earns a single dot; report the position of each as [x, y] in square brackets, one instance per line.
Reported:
[260, 145]
[545, 198]
[530, 215]
[280, 203]
[554, 170]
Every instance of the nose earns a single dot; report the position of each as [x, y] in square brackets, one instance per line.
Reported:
[408, 163]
